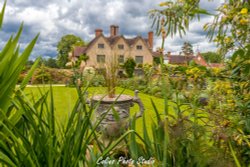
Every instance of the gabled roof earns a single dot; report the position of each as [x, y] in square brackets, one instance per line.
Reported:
[111, 41]
[179, 59]
[133, 41]
[200, 60]
[92, 42]
[157, 54]
[115, 39]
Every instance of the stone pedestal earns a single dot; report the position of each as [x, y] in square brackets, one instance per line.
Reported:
[114, 112]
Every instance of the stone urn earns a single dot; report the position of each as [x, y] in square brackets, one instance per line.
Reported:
[113, 113]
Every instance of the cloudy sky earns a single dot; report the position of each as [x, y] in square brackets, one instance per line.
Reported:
[55, 18]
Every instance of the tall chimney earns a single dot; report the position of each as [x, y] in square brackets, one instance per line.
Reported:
[169, 53]
[114, 30]
[98, 32]
[151, 39]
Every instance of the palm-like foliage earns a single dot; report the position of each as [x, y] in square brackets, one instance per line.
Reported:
[28, 132]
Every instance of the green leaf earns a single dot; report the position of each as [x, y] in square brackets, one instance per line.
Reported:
[6, 160]
[6, 48]
[113, 145]
[30, 73]
[146, 137]
[132, 141]
[2, 14]
[11, 77]
[156, 111]
[234, 156]
[201, 11]
[239, 52]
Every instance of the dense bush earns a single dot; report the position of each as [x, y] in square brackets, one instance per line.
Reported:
[47, 75]
[129, 67]
[98, 80]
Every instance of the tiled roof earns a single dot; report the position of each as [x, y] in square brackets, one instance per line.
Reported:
[178, 59]
[111, 40]
[216, 65]
[156, 54]
[78, 50]
[131, 41]
[200, 60]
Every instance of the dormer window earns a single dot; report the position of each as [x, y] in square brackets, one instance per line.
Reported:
[101, 46]
[139, 47]
[120, 46]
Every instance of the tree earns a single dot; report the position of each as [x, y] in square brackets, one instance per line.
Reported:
[82, 57]
[64, 46]
[50, 63]
[29, 63]
[187, 49]
[212, 57]
[129, 66]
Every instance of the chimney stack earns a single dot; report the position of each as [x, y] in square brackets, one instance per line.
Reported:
[169, 54]
[98, 32]
[114, 30]
[151, 39]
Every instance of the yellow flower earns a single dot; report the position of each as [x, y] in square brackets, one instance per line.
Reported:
[229, 91]
[227, 40]
[224, 19]
[225, 6]
[238, 32]
[243, 21]
[244, 11]
[239, 141]
[164, 4]
[217, 70]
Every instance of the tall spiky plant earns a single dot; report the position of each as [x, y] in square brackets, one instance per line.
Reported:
[11, 64]
[110, 74]
[28, 132]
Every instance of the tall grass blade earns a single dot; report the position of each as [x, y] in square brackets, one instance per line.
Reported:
[30, 73]
[113, 145]
[2, 14]
[156, 111]
[6, 160]
[11, 74]
[234, 155]
[132, 140]
[146, 137]
[5, 50]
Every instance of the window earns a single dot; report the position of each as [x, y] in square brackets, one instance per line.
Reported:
[120, 46]
[139, 59]
[101, 45]
[100, 58]
[138, 47]
[121, 59]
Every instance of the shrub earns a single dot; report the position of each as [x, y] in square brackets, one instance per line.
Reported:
[98, 80]
[129, 66]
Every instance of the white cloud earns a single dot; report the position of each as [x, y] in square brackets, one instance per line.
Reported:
[56, 18]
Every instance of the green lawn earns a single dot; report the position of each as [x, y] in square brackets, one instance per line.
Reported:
[65, 98]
